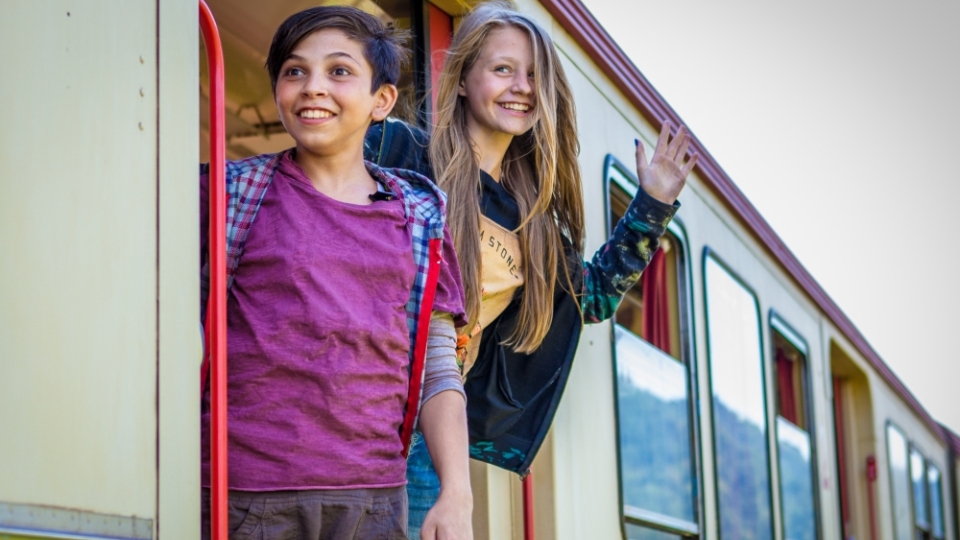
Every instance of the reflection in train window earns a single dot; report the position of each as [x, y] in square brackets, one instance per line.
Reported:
[795, 447]
[655, 411]
[918, 484]
[900, 482]
[247, 27]
[935, 483]
[739, 407]
[635, 532]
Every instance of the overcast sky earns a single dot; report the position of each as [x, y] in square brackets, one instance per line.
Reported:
[840, 121]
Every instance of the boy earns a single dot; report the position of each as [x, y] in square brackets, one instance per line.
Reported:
[322, 307]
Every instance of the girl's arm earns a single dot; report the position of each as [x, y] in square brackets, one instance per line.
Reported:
[443, 421]
[617, 265]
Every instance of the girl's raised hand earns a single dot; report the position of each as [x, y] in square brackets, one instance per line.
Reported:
[663, 178]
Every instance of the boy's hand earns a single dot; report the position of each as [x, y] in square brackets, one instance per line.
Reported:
[450, 518]
[663, 178]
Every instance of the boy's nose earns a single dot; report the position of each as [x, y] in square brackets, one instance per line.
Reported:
[315, 85]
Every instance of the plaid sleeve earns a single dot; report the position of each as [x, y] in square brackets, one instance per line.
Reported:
[617, 265]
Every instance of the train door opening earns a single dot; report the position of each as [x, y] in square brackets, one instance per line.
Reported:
[253, 127]
[855, 448]
[247, 26]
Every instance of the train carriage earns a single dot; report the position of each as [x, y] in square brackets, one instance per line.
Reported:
[729, 399]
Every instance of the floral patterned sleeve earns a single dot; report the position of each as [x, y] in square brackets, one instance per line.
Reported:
[617, 265]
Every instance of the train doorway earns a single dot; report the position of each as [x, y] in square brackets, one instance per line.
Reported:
[247, 26]
[855, 446]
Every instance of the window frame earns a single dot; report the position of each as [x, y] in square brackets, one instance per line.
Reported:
[892, 488]
[917, 524]
[779, 324]
[709, 253]
[616, 175]
[939, 495]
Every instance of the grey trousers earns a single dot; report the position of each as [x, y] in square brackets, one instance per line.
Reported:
[350, 514]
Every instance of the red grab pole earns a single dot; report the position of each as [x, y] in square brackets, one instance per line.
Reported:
[216, 324]
[528, 506]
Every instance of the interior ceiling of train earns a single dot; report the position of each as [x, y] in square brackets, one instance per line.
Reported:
[246, 29]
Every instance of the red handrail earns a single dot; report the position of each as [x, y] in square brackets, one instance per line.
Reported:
[216, 324]
[528, 506]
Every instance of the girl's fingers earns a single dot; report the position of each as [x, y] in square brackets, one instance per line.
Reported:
[641, 154]
[672, 150]
[664, 137]
[682, 151]
[685, 170]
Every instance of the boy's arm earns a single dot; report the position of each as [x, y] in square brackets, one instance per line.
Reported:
[443, 421]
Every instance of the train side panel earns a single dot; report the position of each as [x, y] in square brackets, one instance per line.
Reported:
[97, 277]
[79, 268]
[179, 346]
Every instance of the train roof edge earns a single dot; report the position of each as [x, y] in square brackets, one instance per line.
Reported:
[574, 17]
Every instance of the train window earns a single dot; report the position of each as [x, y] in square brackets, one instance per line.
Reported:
[652, 308]
[653, 384]
[795, 447]
[790, 363]
[935, 483]
[918, 485]
[246, 27]
[739, 406]
[900, 483]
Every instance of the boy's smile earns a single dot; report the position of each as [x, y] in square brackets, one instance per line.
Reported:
[324, 95]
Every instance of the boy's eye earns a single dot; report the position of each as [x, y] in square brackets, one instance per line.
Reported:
[293, 72]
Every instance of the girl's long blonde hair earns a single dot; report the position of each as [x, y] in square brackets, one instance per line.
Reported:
[540, 170]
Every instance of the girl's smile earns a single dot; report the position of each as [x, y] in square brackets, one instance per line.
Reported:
[500, 89]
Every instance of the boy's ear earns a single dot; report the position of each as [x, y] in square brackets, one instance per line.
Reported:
[385, 100]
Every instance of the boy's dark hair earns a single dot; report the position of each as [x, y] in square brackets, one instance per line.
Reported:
[382, 46]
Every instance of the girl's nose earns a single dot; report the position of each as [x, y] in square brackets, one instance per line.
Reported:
[523, 84]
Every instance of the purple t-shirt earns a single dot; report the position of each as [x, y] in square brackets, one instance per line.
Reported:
[317, 341]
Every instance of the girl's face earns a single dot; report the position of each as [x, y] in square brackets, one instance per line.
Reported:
[499, 88]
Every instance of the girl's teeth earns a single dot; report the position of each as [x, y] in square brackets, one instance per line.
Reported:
[312, 114]
[515, 107]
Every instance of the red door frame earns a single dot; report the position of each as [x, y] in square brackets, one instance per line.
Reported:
[216, 323]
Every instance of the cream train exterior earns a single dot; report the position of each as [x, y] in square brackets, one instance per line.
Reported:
[99, 342]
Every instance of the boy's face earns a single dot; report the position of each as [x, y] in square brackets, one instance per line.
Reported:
[323, 94]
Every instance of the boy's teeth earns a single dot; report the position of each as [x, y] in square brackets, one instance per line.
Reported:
[313, 113]
[516, 106]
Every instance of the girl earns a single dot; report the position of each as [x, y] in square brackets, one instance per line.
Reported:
[505, 148]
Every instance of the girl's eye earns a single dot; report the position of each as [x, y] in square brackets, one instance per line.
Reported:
[340, 71]
[502, 69]
[293, 72]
